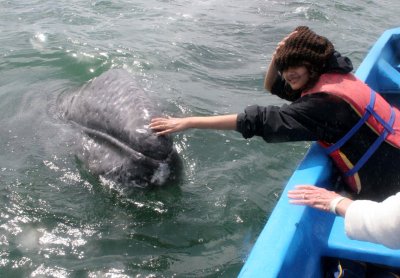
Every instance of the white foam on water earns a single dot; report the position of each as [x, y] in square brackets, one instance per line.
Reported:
[161, 174]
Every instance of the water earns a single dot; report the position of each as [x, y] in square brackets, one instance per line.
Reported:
[200, 58]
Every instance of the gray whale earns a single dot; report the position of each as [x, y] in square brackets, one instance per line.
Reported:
[113, 113]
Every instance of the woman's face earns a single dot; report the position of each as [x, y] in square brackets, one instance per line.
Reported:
[297, 77]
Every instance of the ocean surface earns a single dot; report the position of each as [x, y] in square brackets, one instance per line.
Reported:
[204, 57]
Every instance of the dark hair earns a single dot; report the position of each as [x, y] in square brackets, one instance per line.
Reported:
[313, 75]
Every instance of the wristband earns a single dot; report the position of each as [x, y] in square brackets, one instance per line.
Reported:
[334, 203]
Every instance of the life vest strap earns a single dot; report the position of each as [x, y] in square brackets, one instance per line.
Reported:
[369, 111]
[355, 128]
[386, 125]
[372, 148]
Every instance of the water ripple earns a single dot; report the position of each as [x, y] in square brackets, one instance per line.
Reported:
[202, 57]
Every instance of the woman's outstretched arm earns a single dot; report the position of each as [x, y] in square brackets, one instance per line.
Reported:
[164, 126]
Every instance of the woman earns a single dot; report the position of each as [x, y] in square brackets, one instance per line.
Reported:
[364, 220]
[328, 105]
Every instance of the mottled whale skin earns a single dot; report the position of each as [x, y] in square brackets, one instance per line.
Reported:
[113, 113]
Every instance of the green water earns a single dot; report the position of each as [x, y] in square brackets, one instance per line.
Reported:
[200, 58]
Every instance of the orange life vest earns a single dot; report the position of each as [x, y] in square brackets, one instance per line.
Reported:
[374, 111]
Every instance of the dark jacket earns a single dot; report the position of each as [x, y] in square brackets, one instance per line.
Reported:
[325, 117]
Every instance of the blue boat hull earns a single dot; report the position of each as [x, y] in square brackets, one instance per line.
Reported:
[295, 239]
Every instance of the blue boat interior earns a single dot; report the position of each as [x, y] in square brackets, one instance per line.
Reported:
[381, 68]
[296, 239]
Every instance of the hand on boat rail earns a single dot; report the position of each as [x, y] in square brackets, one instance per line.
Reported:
[319, 198]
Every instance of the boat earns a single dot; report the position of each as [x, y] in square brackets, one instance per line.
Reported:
[297, 239]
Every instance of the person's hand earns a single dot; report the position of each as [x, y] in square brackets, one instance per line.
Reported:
[283, 41]
[312, 196]
[272, 71]
[164, 126]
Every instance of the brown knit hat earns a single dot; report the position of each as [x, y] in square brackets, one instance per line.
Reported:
[304, 46]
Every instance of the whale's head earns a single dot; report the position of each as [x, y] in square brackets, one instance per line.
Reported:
[112, 112]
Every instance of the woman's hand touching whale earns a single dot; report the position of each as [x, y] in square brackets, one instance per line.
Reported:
[164, 126]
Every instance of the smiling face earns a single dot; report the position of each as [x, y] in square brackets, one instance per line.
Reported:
[297, 77]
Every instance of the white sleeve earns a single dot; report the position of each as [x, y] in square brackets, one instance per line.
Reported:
[375, 222]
